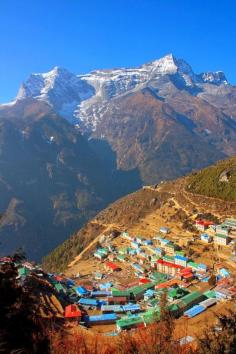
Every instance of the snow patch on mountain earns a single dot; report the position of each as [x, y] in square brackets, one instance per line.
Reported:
[217, 77]
[60, 88]
[83, 99]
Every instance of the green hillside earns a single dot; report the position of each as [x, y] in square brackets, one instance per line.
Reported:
[218, 181]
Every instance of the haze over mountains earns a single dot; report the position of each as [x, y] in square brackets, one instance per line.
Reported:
[70, 144]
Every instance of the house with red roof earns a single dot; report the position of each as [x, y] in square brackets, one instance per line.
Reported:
[202, 225]
[110, 266]
[73, 312]
[168, 267]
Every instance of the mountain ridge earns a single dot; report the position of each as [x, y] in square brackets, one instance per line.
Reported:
[80, 92]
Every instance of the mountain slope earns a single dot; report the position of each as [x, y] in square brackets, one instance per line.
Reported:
[160, 118]
[51, 180]
[145, 211]
[164, 142]
[218, 181]
[70, 144]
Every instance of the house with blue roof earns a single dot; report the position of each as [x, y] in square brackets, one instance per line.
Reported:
[224, 272]
[206, 238]
[181, 260]
[88, 302]
[159, 252]
[106, 286]
[134, 244]
[202, 267]
[107, 318]
[81, 291]
[147, 242]
[164, 241]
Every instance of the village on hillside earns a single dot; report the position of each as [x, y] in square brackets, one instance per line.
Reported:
[130, 273]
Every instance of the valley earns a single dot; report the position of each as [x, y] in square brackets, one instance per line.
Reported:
[131, 253]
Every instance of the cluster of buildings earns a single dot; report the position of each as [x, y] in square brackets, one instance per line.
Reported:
[159, 267]
[146, 256]
[223, 234]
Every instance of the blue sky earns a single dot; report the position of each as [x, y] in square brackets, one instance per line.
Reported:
[83, 35]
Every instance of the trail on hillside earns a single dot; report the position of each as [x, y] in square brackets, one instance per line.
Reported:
[108, 228]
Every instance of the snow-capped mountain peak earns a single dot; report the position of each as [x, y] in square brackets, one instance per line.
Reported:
[58, 87]
[216, 78]
[84, 98]
[169, 64]
[40, 83]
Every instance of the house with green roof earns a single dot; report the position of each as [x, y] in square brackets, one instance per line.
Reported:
[128, 322]
[170, 259]
[123, 250]
[60, 288]
[136, 291]
[121, 257]
[176, 293]
[192, 265]
[158, 277]
[153, 302]
[190, 299]
[174, 310]
[23, 271]
[230, 222]
[152, 315]
[210, 294]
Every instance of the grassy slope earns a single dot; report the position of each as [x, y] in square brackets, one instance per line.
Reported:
[207, 181]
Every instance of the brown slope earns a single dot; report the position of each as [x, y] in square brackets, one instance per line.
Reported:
[142, 213]
[166, 140]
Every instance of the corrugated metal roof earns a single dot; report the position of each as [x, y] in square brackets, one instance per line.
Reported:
[129, 321]
[192, 264]
[100, 293]
[181, 258]
[210, 294]
[104, 317]
[81, 290]
[89, 302]
[168, 264]
[112, 308]
[131, 307]
[188, 299]
[194, 311]
[208, 302]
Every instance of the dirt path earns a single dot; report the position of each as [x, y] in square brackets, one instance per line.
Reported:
[108, 228]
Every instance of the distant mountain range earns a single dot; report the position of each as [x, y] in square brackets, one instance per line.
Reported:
[83, 99]
[71, 144]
